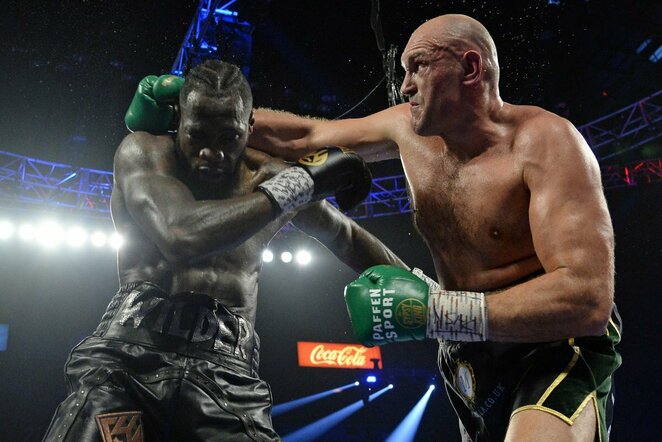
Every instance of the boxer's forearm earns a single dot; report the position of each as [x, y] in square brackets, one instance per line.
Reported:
[291, 136]
[282, 134]
[359, 249]
[556, 305]
[351, 243]
[201, 228]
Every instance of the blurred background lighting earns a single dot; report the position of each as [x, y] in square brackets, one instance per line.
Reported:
[286, 257]
[26, 232]
[76, 236]
[49, 234]
[303, 257]
[116, 241]
[98, 239]
[6, 229]
[267, 256]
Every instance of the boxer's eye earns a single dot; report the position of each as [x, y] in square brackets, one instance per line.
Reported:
[196, 135]
[229, 137]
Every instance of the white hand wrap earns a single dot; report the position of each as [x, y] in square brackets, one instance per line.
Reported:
[289, 189]
[455, 315]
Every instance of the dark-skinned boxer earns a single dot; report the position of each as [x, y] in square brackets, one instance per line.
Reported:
[175, 356]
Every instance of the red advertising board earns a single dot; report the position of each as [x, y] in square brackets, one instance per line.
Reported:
[329, 355]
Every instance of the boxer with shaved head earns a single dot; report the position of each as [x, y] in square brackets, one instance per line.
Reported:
[510, 203]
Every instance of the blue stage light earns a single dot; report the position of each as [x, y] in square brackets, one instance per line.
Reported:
[371, 379]
[313, 431]
[406, 430]
[287, 406]
[4, 335]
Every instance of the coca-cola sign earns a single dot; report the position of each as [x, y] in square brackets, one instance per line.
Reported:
[329, 355]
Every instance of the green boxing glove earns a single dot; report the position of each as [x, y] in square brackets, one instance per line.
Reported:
[153, 106]
[390, 304]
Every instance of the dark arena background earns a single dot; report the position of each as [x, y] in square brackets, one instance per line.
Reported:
[70, 70]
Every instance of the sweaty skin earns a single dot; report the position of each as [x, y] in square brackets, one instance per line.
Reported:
[191, 218]
[500, 193]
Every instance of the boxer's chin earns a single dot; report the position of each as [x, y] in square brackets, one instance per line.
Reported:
[424, 127]
[420, 128]
[418, 122]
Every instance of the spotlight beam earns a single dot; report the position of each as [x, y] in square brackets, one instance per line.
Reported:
[312, 431]
[296, 403]
[406, 430]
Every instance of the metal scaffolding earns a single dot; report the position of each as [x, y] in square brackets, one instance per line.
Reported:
[216, 31]
[626, 129]
[27, 182]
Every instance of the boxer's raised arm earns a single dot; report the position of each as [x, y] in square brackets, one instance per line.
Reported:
[165, 209]
[290, 136]
[351, 243]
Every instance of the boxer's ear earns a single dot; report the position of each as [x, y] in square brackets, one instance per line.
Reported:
[473, 68]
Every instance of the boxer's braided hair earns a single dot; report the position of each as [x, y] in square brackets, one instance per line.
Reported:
[218, 79]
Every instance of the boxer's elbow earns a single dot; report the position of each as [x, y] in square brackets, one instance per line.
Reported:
[594, 322]
[596, 309]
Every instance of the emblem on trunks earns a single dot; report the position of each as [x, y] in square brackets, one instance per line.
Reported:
[465, 381]
[124, 426]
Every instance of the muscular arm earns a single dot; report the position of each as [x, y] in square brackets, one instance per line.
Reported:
[351, 243]
[573, 239]
[165, 209]
[290, 136]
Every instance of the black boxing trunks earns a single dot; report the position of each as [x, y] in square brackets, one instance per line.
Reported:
[165, 368]
[489, 382]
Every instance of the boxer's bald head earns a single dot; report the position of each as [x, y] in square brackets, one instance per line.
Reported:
[460, 33]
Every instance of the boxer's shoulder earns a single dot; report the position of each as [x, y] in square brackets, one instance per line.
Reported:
[141, 150]
[144, 141]
[533, 122]
[534, 130]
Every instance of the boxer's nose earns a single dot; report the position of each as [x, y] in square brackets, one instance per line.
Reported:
[211, 155]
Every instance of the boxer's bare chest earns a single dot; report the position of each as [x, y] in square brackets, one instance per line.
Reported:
[230, 276]
[472, 211]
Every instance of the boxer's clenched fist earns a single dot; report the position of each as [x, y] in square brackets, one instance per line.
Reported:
[391, 304]
[153, 108]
